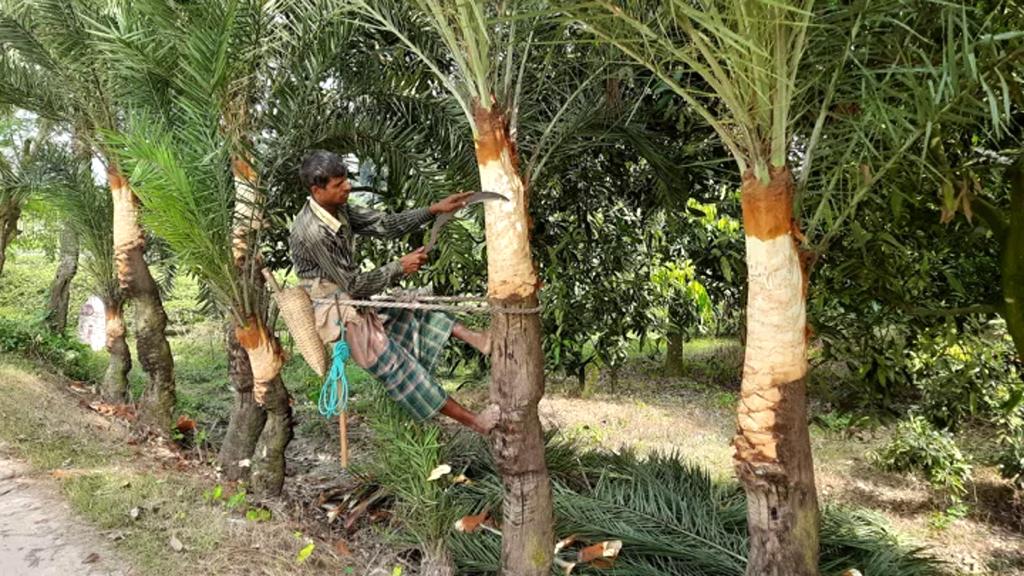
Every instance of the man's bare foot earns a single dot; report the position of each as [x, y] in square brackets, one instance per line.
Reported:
[479, 340]
[487, 419]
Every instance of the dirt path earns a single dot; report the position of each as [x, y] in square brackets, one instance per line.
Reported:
[38, 535]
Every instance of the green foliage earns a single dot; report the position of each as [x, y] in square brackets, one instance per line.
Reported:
[967, 375]
[1011, 458]
[917, 446]
[89, 210]
[942, 519]
[405, 454]
[841, 422]
[258, 515]
[69, 357]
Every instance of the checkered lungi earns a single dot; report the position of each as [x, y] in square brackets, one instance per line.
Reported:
[415, 341]
[400, 348]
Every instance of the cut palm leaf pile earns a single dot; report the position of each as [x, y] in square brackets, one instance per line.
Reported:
[670, 516]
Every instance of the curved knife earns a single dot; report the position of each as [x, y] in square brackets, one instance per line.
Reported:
[443, 219]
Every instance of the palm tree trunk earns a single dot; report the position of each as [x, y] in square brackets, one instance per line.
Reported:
[158, 398]
[266, 406]
[265, 359]
[1013, 260]
[60, 289]
[10, 212]
[517, 361]
[115, 381]
[247, 417]
[773, 450]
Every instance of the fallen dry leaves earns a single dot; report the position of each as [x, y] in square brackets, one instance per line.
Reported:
[122, 411]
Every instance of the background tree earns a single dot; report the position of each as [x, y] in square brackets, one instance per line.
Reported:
[16, 182]
[87, 210]
[60, 289]
[50, 66]
[188, 145]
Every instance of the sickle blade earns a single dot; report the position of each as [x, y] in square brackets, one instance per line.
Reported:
[440, 221]
[485, 196]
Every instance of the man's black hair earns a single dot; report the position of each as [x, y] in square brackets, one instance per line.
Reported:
[319, 167]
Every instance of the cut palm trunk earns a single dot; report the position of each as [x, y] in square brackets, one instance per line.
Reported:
[247, 417]
[773, 451]
[261, 346]
[154, 353]
[115, 381]
[60, 289]
[266, 359]
[517, 360]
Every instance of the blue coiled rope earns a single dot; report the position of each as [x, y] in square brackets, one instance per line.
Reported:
[331, 403]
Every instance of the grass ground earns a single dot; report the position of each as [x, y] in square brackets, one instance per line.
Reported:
[105, 477]
[166, 512]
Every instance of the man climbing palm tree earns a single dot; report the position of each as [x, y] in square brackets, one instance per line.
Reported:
[401, 347]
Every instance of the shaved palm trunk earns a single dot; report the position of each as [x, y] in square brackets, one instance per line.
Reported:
[266, 358]
[773, 450]
[60, 289]
[247, 417]
[115, 381]
[268, 406]
[10, 212]
[517, 361]
[154, 353]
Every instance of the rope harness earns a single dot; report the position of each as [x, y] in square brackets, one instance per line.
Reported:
[454, 304]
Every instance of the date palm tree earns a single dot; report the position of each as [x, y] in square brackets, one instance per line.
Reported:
[49, 65]
[816, 102]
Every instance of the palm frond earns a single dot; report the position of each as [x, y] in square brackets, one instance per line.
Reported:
[89, 210]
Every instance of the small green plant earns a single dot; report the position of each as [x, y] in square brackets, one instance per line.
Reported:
[725, 400]
[840, 422]
[236, 500]
[1011, 458]
[305, 553]
[917, 446]
[942, 519]
[258, 515]
[214, 494]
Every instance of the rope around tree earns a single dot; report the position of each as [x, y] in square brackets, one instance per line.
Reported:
[455, 304]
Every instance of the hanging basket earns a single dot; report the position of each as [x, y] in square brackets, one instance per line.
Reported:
[297, 310]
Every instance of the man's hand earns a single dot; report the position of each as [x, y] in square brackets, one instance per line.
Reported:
[413, 261]
[450, 204]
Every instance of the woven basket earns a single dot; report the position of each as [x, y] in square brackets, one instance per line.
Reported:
[297, 311]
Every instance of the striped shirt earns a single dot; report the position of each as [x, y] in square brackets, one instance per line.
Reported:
[323, 246]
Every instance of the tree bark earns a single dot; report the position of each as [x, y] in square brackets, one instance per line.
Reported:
[1013, 260]
[60, 289]
[674, 355]
[265, 359]
[115, 382]
[10, 212]
[517, 360]
[247, 417]
[773, 449]
[158, 398]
